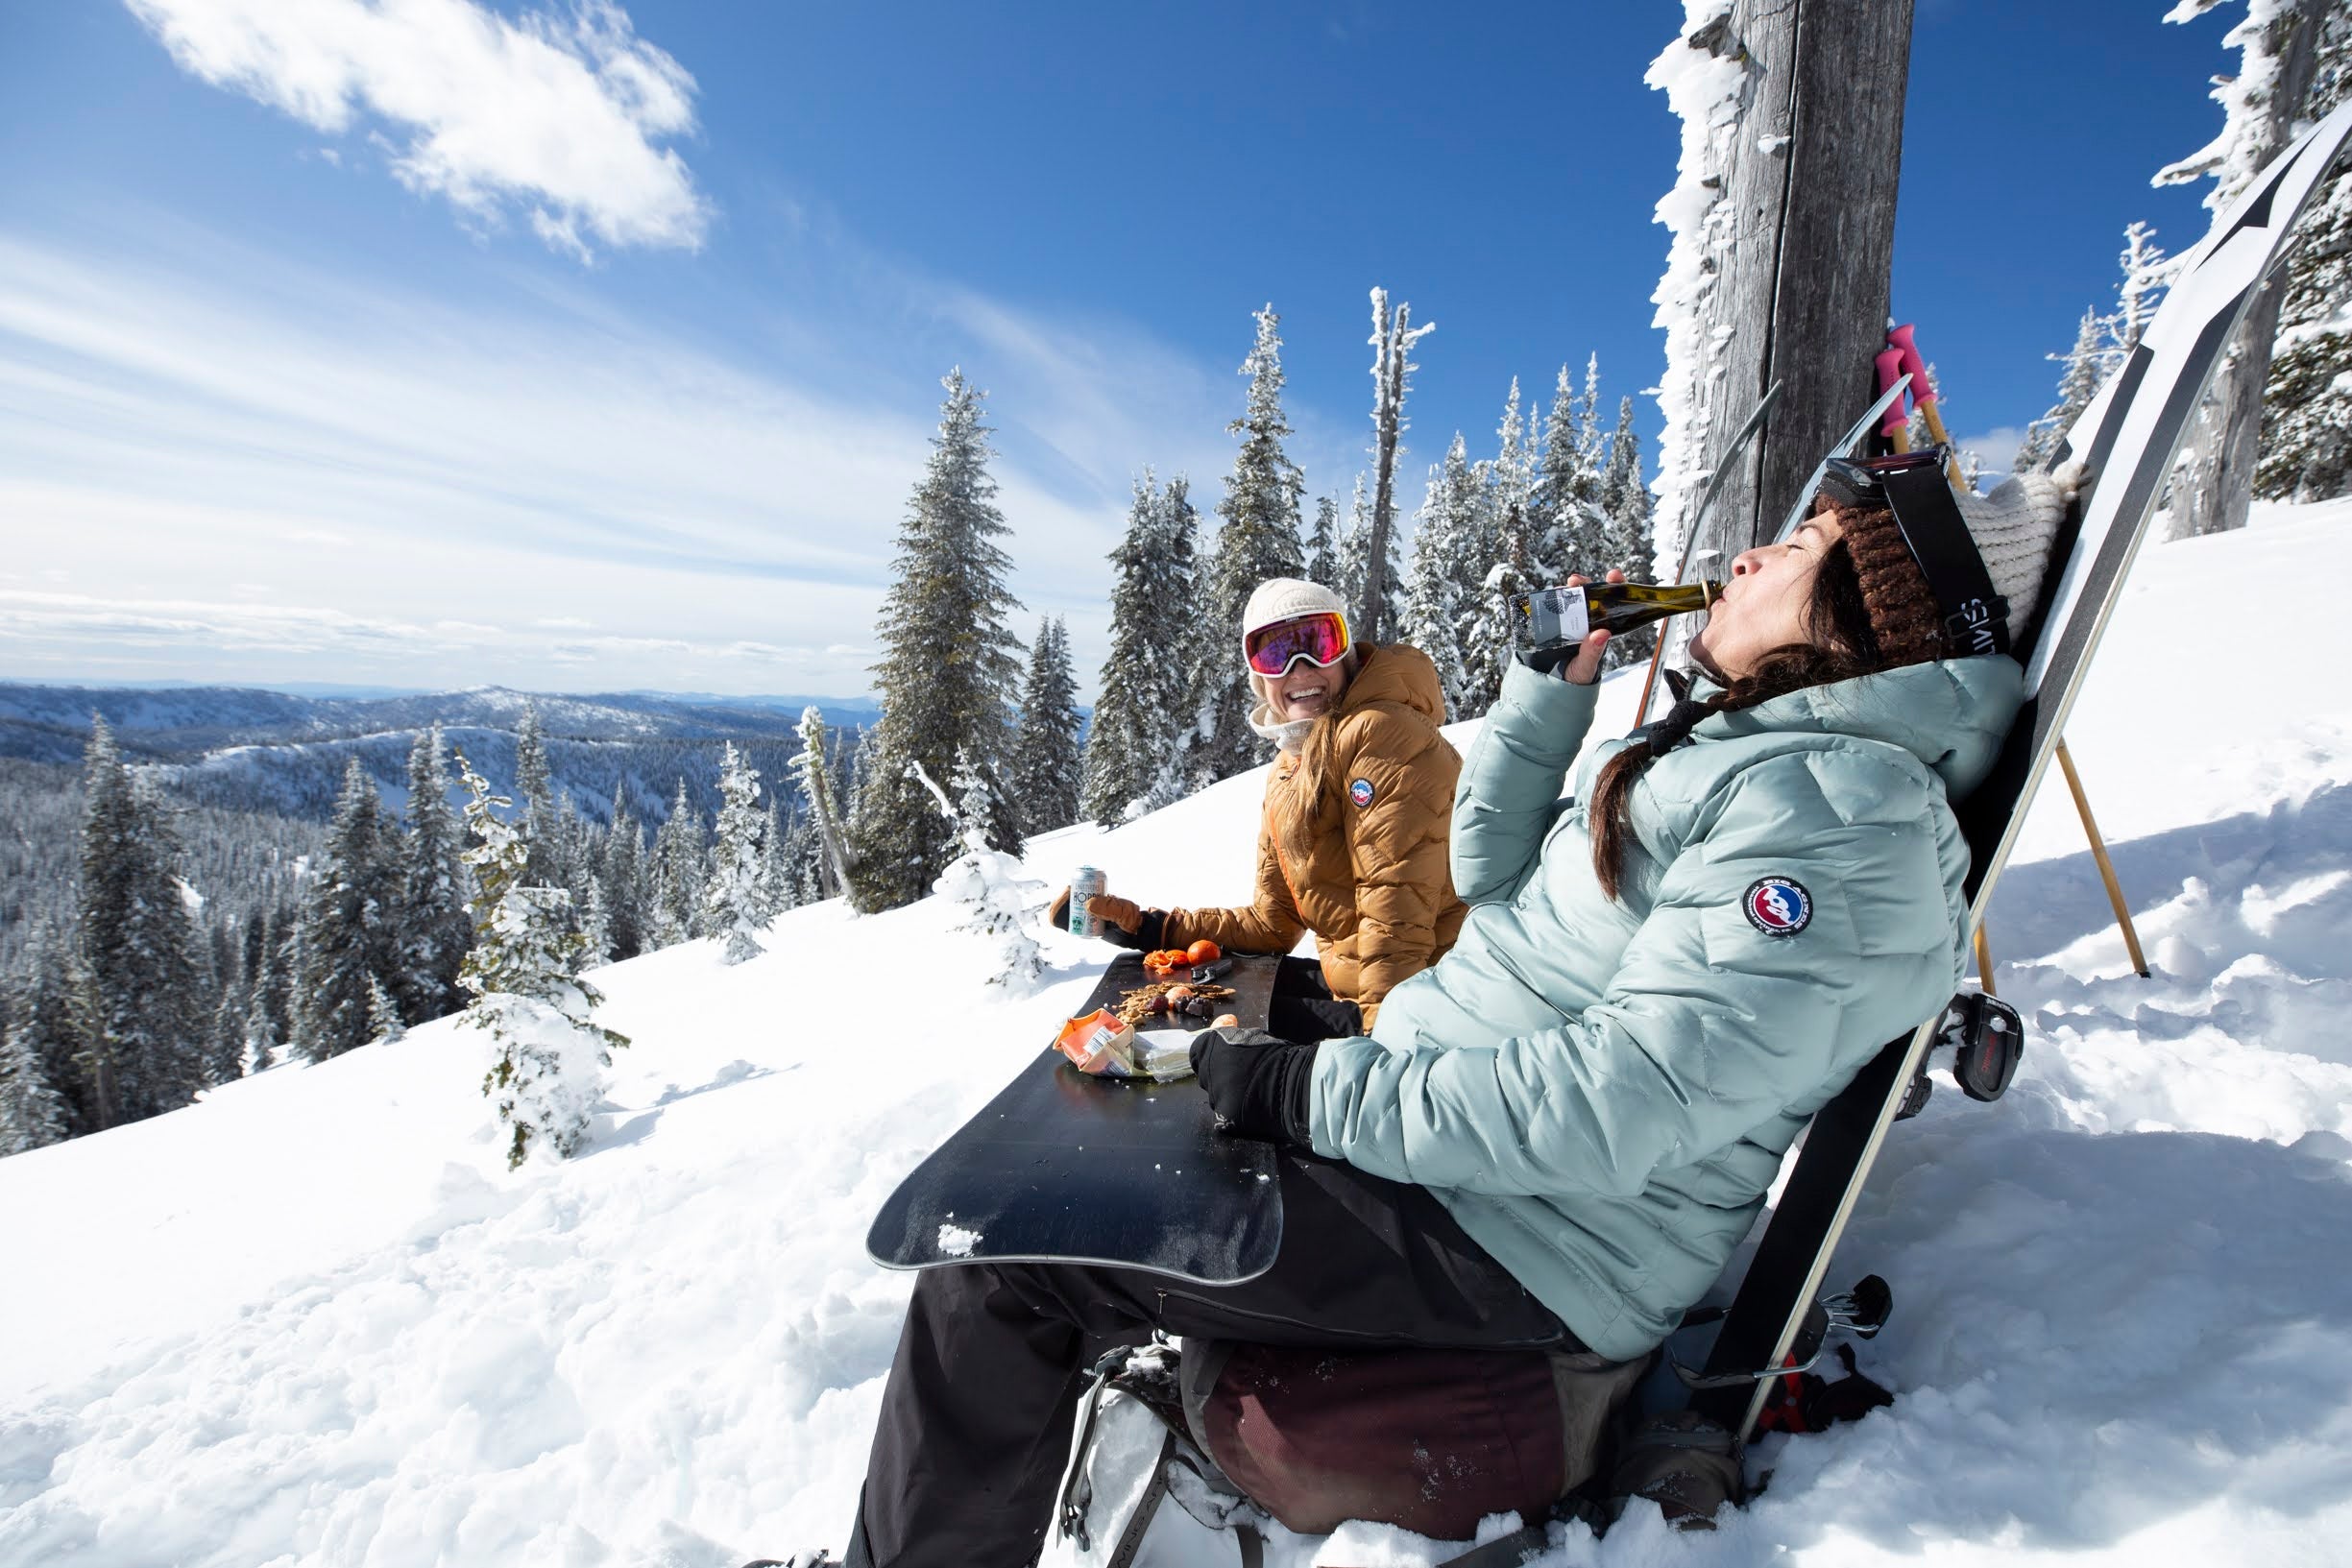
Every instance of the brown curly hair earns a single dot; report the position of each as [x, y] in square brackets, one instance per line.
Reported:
[1870, 611]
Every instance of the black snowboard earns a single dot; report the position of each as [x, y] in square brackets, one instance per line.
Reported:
[1065, 1168]
[2128, 437]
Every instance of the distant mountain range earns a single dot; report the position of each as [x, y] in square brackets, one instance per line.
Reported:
[249, 748]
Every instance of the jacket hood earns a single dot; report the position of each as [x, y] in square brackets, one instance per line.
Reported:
[1393, 672]
[1952, 715]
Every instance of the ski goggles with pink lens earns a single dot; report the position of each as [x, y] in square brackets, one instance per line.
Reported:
[1319, 639]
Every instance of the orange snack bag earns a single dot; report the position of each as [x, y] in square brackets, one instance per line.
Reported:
[1098, 1043]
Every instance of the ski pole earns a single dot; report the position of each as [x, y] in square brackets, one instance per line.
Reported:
[1905, 340]
[1895, 427]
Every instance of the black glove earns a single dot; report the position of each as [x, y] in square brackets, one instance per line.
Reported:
[1257, 1085]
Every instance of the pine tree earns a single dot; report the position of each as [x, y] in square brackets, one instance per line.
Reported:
[1436, 611]
[385, 1025]
[778, 890]
[49, 1022]
[621, 875]
[827, 825]
[1143, 681]
[733, 907]
[434, 933]
[1185, 641]
[32, 1114]
[546, 1071]
[261, 1036]
[348, 932]
[226, 1049]
[1492, 640]
[950, 666]
[1628, 545]
[145, 1026]
[596, 927]
[2077, 384]
[1046, 764]
[1569, 524]
[1323, 544]
[678, 872]
[985, 883]
[1258, 540]
[2307, 402]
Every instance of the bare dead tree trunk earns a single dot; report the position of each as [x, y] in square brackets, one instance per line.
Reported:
[1800, 292]
[2225, 443]
[1392, 339]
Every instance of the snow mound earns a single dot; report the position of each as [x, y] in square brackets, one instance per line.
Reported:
[313, 1319]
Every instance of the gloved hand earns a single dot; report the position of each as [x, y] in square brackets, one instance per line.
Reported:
[1257, 1084]
[1124, 922]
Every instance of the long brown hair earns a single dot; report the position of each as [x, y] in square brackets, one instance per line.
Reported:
[1318, 760]
[1870, 611]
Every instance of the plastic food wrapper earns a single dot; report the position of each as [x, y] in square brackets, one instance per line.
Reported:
[1098, 1043]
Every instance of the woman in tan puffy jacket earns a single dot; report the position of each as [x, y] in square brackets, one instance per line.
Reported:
[1351, 845]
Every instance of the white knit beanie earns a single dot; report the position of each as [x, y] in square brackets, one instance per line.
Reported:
[2013, 528]
[1279, 599]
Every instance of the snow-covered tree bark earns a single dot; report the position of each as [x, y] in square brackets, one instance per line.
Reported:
[815, 775]
[547, 1054]
[1782, 218]
[950, 669]
[1392, 339]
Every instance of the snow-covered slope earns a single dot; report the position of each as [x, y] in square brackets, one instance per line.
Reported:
[314, 1320]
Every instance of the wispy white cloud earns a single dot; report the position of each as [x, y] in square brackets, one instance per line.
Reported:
[1997, 446]
[226, 465]
[557, 113]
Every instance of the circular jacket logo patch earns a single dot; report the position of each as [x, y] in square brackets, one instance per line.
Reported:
[1778, 906]
[1361, 792]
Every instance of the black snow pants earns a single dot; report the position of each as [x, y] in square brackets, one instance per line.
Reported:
[1303, 1008]
[977, 1419]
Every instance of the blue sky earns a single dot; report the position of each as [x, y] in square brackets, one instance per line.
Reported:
[430, 343]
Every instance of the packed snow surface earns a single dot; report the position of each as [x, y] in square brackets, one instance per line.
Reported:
[315, 1320]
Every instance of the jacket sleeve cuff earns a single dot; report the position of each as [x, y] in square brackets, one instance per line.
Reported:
[1545, 717]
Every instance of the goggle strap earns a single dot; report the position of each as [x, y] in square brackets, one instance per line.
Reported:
[1927, 515]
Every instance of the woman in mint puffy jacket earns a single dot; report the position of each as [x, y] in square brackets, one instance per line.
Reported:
[1558, 1133]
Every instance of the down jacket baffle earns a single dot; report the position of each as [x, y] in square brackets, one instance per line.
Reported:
[1601, 1092]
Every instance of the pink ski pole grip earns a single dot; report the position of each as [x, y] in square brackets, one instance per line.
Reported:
[1890, 367]
[1903, 339]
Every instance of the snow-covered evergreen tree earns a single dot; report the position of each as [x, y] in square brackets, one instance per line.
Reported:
[1436, 607]
[1146, 676]
[779, 891]
[549, 1053]
[2307, 404]
[350, 925]
[950, 669]
[1627, 545]
[32, 1114]
[226, 1048]
[48, 1021]
[1570, 526]
[1493, 638]
[146, 1022]
[622, 871]
[733, 907]
[1258, 539]
[677, 875]
[534, 789]
[826, 824]
[434, 933]
[1047, 765]
[1323, 543]
[986, 884]
[596, 927]
[261, 1036]
[2079, 382]
[385, 1025]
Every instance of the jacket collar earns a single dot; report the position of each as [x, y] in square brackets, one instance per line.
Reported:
[1952, 715]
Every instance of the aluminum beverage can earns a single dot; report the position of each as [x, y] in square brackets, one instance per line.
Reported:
[1085, 882]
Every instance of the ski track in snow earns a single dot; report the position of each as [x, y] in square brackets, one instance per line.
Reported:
[314, 1320]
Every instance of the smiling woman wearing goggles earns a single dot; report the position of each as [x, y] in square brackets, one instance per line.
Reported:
[1352, 842]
